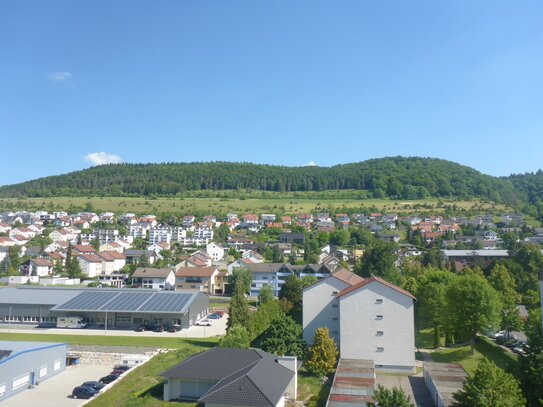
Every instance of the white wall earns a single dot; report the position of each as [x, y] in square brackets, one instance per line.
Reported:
[359, 325]
[319, 310]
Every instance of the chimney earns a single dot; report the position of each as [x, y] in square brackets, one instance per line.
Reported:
[291, 363]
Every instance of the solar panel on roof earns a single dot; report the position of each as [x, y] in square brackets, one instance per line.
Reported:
[135, 301]
[88, 301]
[166, 302]
[127, 301]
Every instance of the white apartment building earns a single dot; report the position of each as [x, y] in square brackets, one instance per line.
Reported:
[369, 319]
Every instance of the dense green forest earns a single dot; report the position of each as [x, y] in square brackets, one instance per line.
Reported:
[392, 177]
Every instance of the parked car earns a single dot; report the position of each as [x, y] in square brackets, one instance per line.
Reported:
[109, 378]
[500, 334]
[95, 385]
[83, 392]
[142, 328]
[204, 322]
[158, 328]
[214, 316]
[174, 328]
[120, 369]
[520, 348]
[221, 313]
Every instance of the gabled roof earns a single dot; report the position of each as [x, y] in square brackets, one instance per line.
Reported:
[195, 271]
[245, 377]
[374, 279]
[343, 275]
[90, 257]
[151, 272]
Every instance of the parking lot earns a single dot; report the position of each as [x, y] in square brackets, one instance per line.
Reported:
[56, 391]
[218, 328]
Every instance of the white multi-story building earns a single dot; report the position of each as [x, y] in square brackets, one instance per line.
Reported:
[215, 251]
[369, 319]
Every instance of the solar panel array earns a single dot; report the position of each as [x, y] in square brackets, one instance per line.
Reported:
[127, 301]
[89, 301]
[166, 302]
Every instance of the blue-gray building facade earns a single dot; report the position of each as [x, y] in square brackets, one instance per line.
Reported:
[24, 365]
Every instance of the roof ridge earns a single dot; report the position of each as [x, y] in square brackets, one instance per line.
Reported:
[215, 388]
[258, 388]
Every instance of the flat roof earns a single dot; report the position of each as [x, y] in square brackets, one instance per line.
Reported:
[36, 295]
[129, 301]
[12, 349]
[353, 384]
[448, 378]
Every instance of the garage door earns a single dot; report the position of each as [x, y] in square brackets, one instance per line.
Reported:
[123, 321]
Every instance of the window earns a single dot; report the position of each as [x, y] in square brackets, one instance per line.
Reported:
[20, 382]
[379, 333]
[43, 371]
[334, 318]
[334, 305]
[334, 292]
[379, 301]
[379, 317]
[380, 349]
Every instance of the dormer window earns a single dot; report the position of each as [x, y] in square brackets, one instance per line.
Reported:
[379, 301]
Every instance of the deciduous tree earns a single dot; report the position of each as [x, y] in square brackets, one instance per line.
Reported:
[284, 337]
[489, 386]
[472, 305]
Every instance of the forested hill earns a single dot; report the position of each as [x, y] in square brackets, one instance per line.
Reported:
[394, 177]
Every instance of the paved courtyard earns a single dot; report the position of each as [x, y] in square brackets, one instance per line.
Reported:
[55, 392]
[413, 386]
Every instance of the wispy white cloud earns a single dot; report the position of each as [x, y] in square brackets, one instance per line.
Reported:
[311, 164]
[60, 76]
[102, 158]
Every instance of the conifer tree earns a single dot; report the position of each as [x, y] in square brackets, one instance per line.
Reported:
[322, 353]
[238, 312]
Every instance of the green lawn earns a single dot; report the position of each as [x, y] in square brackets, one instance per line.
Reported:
[311, 391]
[424, 338]
[484, 347]
[143, 386]
[107, 340]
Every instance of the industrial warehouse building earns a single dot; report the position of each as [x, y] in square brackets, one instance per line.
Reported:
[102, 308]
[25, 364]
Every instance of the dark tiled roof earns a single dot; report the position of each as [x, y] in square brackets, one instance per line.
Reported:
[245, 377]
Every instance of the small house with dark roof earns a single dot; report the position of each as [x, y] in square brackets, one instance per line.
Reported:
[233, 377]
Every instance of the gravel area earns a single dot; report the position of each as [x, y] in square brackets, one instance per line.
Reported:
[110, 349]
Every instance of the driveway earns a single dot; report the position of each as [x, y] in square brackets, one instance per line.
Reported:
[55, 391]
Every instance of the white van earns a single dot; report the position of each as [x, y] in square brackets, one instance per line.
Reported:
[133, 360]
[71, 322]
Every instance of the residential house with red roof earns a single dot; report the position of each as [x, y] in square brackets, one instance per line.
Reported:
[196, 279]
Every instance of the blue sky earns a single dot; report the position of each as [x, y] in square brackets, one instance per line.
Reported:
[276, 82]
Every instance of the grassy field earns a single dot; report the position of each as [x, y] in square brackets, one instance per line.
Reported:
[269, 202]
[484, 347]
[143, 386]
[311, 391]
[106, 340]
